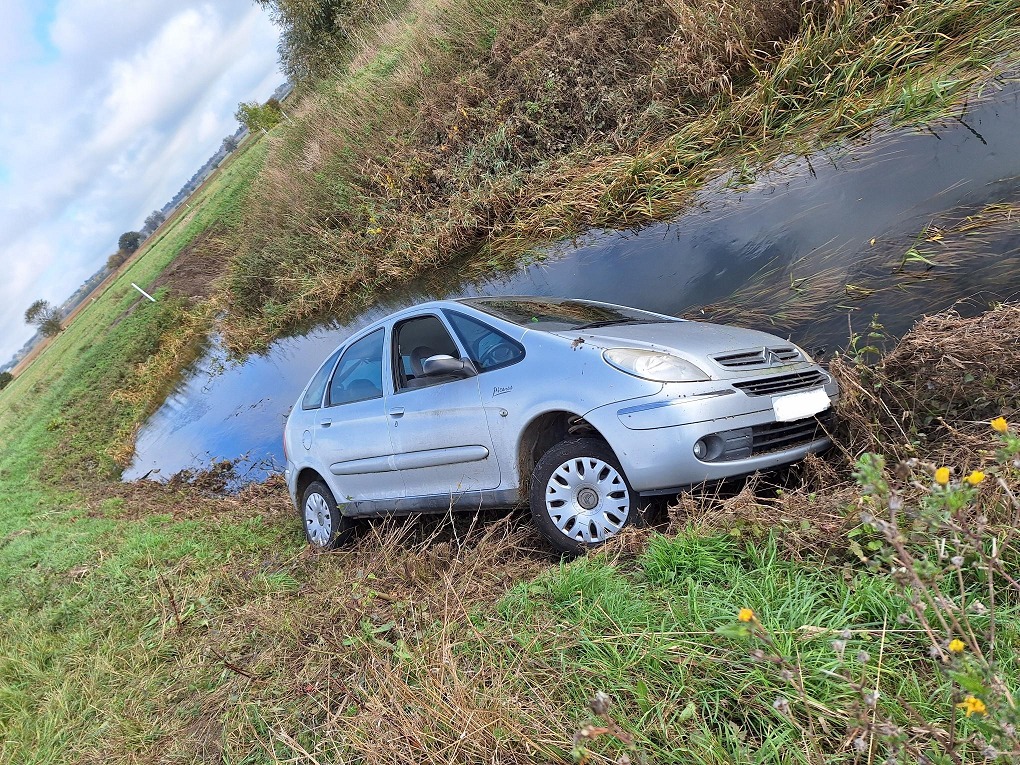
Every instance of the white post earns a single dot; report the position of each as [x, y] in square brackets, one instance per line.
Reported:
[146, 294]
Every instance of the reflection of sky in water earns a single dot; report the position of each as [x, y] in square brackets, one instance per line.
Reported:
[830, 205]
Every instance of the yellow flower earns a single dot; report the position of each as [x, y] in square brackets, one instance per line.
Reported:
[942, 476]
[972, 706]
[999, 425]
[975, 478]
[956, 645]
[745, 615]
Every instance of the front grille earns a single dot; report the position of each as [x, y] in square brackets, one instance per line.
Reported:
[758, 357]
[761, 439]
[783, 435]
[768, 386]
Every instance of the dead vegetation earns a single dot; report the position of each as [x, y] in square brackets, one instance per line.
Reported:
[427, 151]
[194, 272]
[935, 392]
[369, 653]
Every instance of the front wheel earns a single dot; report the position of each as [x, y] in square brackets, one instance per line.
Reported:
[580, 496]
[325, 526]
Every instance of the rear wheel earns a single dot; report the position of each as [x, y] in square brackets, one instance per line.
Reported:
[580, 496]
[325, 526]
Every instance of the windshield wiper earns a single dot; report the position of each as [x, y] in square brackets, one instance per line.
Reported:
[611, 322]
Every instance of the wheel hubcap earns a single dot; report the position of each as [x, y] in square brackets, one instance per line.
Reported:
[587, 500]
[318, 519]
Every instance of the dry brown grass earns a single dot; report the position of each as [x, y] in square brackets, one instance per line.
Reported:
[934, 394]
[365, 660]
[428, 150]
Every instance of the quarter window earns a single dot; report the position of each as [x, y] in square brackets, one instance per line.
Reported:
[488, 348]
[358, 376]
[313, 396]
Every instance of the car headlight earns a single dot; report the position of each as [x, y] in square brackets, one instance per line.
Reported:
[652, 365]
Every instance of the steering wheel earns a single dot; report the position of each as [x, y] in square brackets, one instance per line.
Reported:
[496, 355]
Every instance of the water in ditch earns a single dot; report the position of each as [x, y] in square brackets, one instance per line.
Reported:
[911, 222]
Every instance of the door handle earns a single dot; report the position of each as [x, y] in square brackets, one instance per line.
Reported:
[397, 411]
[326, 423]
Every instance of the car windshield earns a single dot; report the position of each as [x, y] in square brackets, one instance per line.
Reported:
[559, 315]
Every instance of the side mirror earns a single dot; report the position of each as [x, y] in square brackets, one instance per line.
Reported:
[442, 364]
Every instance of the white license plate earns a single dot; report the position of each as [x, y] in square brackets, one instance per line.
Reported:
[797, 406]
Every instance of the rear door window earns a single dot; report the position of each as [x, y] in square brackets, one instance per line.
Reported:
[358, 376]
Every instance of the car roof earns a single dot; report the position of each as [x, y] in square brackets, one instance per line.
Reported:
[533, 298]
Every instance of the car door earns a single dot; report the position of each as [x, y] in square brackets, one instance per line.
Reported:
[437, 425]
[352, 438]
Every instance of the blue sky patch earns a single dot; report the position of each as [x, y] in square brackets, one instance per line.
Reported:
[42, 22]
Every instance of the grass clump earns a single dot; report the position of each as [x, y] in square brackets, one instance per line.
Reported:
[946, 378]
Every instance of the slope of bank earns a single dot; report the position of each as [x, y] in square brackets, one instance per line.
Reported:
[487, 129]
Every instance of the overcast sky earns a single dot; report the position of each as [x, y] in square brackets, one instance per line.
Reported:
[106, 108]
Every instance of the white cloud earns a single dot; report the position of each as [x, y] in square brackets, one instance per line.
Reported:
[107, 108]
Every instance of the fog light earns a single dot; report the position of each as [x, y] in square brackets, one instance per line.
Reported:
[700, 449]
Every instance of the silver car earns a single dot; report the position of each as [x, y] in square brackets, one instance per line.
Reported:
[584, 409]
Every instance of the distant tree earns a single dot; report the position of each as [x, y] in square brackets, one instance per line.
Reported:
[256, 116]
[37, 309]
[229, 144]
[44, 316]
[315, 32]
[5, 379]
[117, 259]
[129, 241]
[154, 221]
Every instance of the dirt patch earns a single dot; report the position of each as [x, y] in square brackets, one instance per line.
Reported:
[196, 269]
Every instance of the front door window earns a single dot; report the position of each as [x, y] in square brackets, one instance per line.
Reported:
[416, 340]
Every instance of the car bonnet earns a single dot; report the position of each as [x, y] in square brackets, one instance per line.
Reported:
[690, 339]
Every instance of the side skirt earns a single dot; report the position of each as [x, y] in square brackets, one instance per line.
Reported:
[437, 503]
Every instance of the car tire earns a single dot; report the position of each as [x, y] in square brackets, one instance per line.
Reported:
[580, 496]
[325, 526]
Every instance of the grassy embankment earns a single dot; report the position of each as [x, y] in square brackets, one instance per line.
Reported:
[150, 625]
[476, 131]
[67, 418]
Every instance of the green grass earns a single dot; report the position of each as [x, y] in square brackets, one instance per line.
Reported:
[653, 635]
[78, 583]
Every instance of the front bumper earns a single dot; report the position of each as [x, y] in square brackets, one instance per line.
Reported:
[654, 438]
